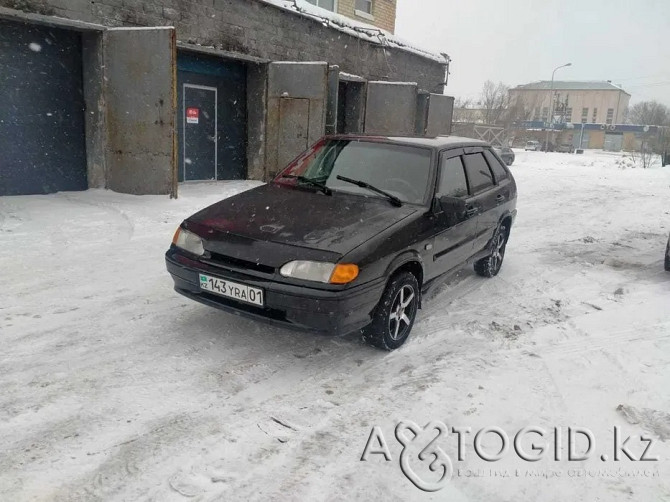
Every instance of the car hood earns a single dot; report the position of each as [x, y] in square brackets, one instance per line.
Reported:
[304, 218]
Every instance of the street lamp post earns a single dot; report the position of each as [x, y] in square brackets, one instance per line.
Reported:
[551, 104]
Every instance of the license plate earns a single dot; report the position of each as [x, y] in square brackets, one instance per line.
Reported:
[234, 290]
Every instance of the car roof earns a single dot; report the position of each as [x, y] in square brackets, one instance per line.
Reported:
[433, 142]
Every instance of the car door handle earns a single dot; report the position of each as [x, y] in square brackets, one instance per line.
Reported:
[500, 198]
[471, 210]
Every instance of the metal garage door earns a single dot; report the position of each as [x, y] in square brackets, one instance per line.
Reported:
[613, 141]
[212, 117]
[42, 138]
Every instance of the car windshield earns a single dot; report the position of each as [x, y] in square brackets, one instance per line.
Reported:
[401, 171]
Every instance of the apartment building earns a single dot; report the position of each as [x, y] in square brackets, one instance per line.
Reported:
[379, 13]
[577, 102]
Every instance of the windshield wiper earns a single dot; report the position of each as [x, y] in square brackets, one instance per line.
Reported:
[309, 181]
[394, 200]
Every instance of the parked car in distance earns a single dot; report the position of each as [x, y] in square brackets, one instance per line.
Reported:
[667, 256]
[565, 148]
[350, 235]
[534, 146]
[506, 154]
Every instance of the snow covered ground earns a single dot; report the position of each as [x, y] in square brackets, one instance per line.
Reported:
[114, 387]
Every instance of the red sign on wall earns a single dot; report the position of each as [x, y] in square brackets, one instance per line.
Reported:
[192, 115]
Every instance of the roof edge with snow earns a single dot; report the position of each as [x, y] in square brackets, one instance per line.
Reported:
[572, 85]
[363, 31]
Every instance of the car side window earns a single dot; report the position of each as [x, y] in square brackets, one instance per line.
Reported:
[478, 171]
[499, 171]
[452, 178]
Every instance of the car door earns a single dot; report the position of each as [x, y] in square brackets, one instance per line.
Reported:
[456, 230]
[483, 196]
[503, 180]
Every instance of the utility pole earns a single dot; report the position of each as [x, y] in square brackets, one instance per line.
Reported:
[551, 104]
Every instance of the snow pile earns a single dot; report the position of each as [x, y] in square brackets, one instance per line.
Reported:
[355, 28]
[633, 160]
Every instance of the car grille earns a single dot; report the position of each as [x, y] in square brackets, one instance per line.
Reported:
[230, 263]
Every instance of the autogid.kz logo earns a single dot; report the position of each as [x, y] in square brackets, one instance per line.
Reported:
[425, 462]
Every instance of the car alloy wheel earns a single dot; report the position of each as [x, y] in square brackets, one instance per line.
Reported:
[402, 314]
[490, 265]
[393, 318]
[498, 251]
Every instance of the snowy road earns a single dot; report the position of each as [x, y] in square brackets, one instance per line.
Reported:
[113, 387]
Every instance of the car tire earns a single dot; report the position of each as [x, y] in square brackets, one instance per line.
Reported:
[387, 331]
[490, 265]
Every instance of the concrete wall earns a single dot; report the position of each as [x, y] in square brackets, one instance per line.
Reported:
[139, 90]
[92, 70]
[129, 126]
[254, 28]
[391, 108]
[257, 75]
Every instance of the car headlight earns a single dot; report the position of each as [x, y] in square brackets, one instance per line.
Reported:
[188, 241]
[318, 271]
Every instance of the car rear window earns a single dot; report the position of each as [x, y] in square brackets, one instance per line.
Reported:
[498, 169]
[479, 174]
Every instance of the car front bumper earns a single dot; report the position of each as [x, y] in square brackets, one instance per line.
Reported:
[327, 312]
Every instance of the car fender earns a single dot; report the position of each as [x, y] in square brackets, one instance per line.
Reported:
[511, 214]
[403, 258]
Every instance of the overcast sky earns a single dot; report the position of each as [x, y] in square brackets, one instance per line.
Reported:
[520, 41]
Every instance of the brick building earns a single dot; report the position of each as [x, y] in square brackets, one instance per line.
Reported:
[137, 96]
[379, 13]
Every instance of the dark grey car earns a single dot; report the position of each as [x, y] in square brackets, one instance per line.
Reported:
[360, 228]
[506, 154]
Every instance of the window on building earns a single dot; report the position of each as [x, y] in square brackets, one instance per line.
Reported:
[610, 115]
[545, 114]
[568, 115]
[364, 6]
[594, 116]
[585, 115]
[324, 4]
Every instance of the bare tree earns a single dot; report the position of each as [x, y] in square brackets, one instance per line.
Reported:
[494, 101]
[464, 110]
[516, 111]
[649, 113]
[645, 157]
